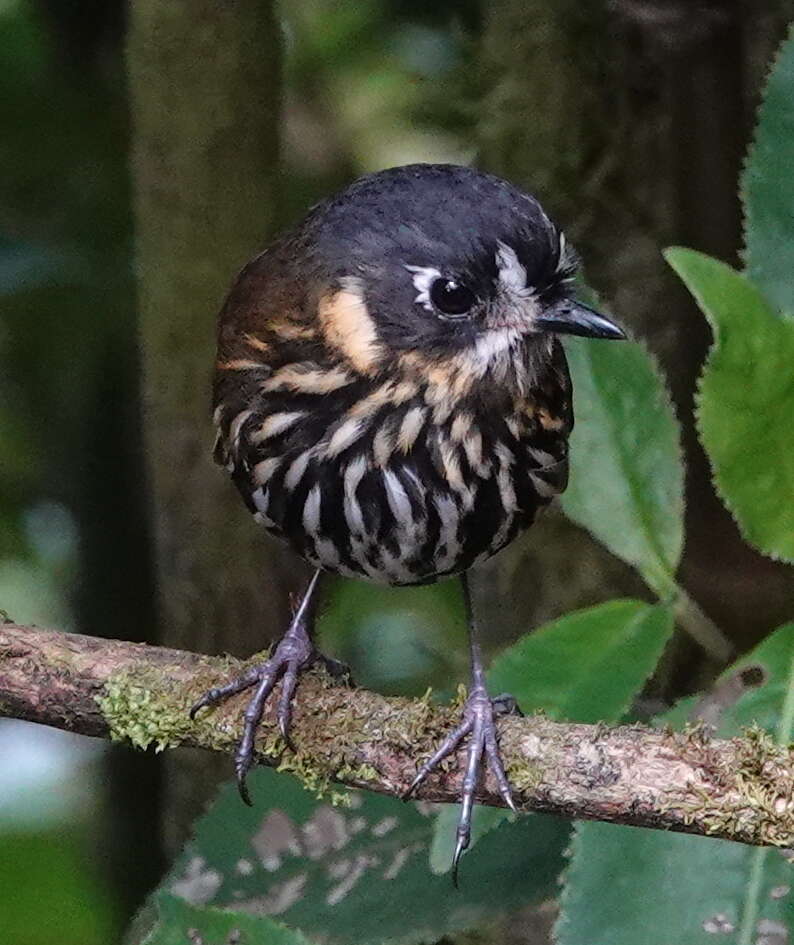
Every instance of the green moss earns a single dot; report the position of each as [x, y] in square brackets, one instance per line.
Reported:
[357, 773]
[330, 734]
[136, 710]
[314, 777]
[698, 733]
[146, 707]
[524, 775]
[752, 801]
[765, 783]
[341, 799]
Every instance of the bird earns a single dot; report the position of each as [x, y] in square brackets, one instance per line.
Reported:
[392, 399]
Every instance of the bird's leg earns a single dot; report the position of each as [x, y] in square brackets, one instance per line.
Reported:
[293, 653]
[479, 722]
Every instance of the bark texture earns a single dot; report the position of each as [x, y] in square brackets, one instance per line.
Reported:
[205, 90]
[740, 789]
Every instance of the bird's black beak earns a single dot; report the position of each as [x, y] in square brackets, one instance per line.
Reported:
[567, 317]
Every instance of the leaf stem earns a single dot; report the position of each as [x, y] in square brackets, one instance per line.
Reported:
[786, 723]
[694, 621]
[750, 907]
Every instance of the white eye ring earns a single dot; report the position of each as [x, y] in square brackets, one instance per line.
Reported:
[423, 278]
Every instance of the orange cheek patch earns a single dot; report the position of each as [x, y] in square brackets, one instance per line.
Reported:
[348, 327]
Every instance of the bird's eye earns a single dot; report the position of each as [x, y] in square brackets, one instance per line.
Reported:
[451, 298]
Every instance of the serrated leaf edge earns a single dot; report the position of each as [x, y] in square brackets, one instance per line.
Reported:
[698, 396]
[569, 853]
[661, 582]
[750, 152]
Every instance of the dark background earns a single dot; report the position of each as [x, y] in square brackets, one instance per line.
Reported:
[628, 118]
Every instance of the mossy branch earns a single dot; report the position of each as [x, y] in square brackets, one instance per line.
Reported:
[740, 789]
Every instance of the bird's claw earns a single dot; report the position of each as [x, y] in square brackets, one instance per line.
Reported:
[220, 693]
[291, 656]
[240, 774]
[479, 722]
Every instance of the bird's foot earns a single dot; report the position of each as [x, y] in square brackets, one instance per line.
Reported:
[480, 713]
[294, 653]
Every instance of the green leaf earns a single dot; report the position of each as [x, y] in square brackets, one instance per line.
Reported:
[176, 918]
[628, 886]
[627, 479]
[587, 667]
[355, 874]
[483, 821]
[745, 400]
[767, 187]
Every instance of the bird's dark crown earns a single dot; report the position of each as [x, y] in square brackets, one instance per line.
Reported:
[427, 270]
[393, 233]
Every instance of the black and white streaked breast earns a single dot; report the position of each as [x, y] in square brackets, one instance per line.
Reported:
[396, 479]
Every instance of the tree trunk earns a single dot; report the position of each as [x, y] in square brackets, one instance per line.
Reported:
[205, 88]
[629, 119]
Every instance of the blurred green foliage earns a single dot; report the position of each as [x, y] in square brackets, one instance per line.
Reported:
[66, 290]
[66, 344]
[372, 84]
[52, 889]
[400, 640]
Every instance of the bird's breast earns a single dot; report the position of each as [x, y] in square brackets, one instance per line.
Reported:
[395, 484]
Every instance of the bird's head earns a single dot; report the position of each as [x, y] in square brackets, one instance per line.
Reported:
[441, 263]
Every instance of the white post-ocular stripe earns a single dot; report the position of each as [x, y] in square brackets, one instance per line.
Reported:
[512, 274]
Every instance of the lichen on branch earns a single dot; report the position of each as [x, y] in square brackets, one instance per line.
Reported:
[740, 789]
